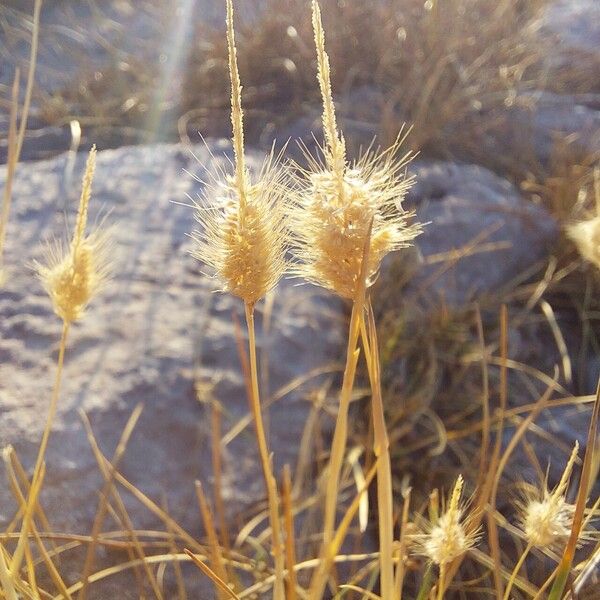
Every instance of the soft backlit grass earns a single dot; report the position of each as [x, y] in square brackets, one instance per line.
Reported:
[340, 219]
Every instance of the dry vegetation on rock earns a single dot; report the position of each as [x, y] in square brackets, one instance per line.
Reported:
[420, 498]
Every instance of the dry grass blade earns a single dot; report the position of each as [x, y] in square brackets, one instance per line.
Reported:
[217, 460]
[221, 585]
[382, 452]
[400, 568]
[290, 536]
[13, 464]
[330, 552]
[123, 516]
[15, 141]
[366, 594]
[6, 579]
[216, 557]
[104, 496]
[487, 493]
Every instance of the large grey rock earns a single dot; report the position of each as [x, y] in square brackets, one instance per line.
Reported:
[157, 331]
[464, 207]
[575, 22]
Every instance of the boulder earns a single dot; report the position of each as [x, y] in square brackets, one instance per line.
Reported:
[480, 233]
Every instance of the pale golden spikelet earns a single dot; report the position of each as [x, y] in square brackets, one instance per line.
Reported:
[330, 228]
[546, 516]
[244, 245]
[242, 236]
[586, 234]
[335, 203]
[73, 276]
[449, 535]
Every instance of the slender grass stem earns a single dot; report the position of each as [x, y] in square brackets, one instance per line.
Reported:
[54, 399]
[441, 583]
[271, 485]
[34, 490]
[382, 452]
[338, 448]
[8, 589]
[516, 570]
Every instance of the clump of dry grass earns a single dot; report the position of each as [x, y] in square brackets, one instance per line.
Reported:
[345, 217]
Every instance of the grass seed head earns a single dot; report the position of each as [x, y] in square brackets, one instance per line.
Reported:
[244, 244]
[586, 234]
[449, 535]
[242, 236]
[73, 275]
[335, 203]
[546, 516]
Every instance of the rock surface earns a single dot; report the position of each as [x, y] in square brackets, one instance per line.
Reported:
[466, 207]
[157, 331]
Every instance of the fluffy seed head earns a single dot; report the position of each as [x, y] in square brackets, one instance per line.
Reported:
[242, 236]
[73, 275]
[449, 535]
[244, 244]
[586, 234]
[545, 516]
[330, 224]
[336, 204]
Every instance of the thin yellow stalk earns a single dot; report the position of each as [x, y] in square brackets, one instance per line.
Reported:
[340, 434]
[19, 495]
[491, 521]
[31, 573]
[326, 561]
[219, 583]
[32, 498]
[290, 541]
[217, 464]
[441, 582]
[381, 449]
[516, 570]
[8, 588]
[271, 485]
[400, 570]
[213, 541]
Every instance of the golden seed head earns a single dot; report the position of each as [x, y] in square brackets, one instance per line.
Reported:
[586, 236]
[546, 516]
[330, 223]
[342, 212]
[450, 535]
[242, 236]
[547, 522]
[73, 276]
[244, 244]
